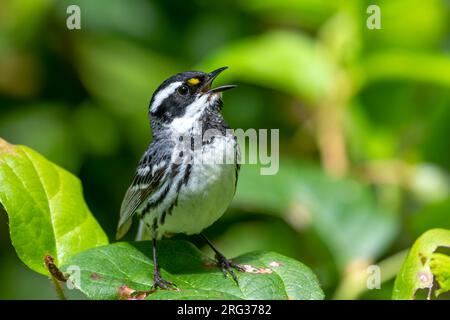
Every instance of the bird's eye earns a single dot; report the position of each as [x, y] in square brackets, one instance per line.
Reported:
[183, 90]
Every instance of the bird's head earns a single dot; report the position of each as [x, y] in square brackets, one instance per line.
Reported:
[185, 96]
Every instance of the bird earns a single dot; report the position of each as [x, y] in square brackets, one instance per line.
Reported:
[187, 177]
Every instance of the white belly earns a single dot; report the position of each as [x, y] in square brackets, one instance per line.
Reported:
[208, 192]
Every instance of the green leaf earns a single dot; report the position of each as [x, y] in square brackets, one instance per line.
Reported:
[416, 272]
[46, 210]
[440, 267]
[104, 270]
[339, 210]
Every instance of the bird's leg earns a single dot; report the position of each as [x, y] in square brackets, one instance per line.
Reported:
[223, 263]
[158, 281]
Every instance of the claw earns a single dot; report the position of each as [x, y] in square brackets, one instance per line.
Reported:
[159, 282]
[227, 267]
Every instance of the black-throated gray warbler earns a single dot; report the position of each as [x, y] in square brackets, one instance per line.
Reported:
[184, 190]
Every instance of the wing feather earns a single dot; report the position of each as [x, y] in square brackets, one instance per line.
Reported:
[150, 175]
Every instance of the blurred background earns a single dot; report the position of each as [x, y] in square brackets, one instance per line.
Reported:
[363, 116]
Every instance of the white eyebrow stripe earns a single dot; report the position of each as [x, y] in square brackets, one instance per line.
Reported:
[163, 94]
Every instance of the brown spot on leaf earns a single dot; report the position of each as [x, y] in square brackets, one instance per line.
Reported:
[251, 269]
[94, 276]
[275, 264]
[140, 295]
[5, 147]
[127, 293]
[422, 258]
[426, 278]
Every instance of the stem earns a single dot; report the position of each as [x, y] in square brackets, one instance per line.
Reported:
[330, 127]
[58, 288]
[56, 276]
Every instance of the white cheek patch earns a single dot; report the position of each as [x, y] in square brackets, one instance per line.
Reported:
[196, 106]
[193, 111]
[163, 94]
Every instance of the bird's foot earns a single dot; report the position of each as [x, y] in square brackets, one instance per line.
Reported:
[159, 282]
[227, 267]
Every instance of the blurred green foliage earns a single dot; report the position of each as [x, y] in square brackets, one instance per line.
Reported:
[363, 118]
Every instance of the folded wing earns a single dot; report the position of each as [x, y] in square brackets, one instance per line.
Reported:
[150, 175]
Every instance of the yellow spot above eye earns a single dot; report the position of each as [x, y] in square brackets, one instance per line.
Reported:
[193, 81]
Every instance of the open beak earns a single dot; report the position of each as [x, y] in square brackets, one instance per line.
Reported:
[211, 76]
